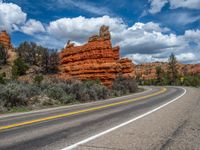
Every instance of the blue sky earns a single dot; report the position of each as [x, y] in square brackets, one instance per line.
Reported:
[146, 30]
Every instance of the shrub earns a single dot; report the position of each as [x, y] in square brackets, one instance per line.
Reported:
[58, 93]
[2, 78]
[80, 91]
[19, 68]
[89, 83]
[38, 79]
[101, 91]
[124, 85]
[16, 94]
[192, 81]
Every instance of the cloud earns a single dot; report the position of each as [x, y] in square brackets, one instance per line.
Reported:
[190, 4]
[149, 27]
[181, 18]
[193, 35]
[11, 17]
[142, 42]
[86, 6]
[146, 38]
[78, 5]
[157, 5]
[32, 26]
[143, 58]
[186, 57]
[80, 28]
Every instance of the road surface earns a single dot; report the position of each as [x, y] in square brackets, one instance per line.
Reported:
[159, 118]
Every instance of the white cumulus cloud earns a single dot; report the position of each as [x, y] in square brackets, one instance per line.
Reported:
[142, 42]
[11, 17]
[32, 26]
[80, 28]
[186, 57]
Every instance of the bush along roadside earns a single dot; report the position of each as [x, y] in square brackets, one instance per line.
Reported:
[41, 93]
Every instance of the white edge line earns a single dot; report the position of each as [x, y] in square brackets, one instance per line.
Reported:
[123, 124]
[2, 116]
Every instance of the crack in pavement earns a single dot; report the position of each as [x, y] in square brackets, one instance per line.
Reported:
[100, 147]
[173, 135]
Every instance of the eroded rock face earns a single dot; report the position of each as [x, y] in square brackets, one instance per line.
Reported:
[96, 59]
[147, 71]
[104, 33]
[191, 69]
[5, 40]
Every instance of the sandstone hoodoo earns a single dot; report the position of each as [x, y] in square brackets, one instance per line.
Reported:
[5, 40]
[96, 59]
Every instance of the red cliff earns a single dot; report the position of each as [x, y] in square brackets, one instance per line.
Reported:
[147, 71]
[96, 59]
[5, 40]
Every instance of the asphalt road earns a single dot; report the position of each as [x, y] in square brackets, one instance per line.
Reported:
[63, 127]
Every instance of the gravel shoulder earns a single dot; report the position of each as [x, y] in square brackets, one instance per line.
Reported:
[176, 126]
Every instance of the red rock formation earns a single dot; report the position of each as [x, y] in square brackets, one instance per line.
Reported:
[5, 39]
[191, 69]
[147, 71]
[96, 59]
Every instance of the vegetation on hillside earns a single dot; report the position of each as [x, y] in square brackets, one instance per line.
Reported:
[41, 93]
[172, 77]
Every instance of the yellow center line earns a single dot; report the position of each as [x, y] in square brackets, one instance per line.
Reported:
[81, 111]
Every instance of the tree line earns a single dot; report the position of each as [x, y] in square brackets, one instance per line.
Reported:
[171, 76]
[30, 54]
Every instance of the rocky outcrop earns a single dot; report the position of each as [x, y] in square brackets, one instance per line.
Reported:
[5, 40]
[96, 59]
[147, 71]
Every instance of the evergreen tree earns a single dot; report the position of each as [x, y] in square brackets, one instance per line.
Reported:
[172, 69]
[34, 54]
[27, 52]
[19, 68]
[53, 61]
[159, 73]
[3, 55]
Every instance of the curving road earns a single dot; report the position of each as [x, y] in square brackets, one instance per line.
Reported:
[147, 120]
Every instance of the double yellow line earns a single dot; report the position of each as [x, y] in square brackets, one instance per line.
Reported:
[81, 111]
